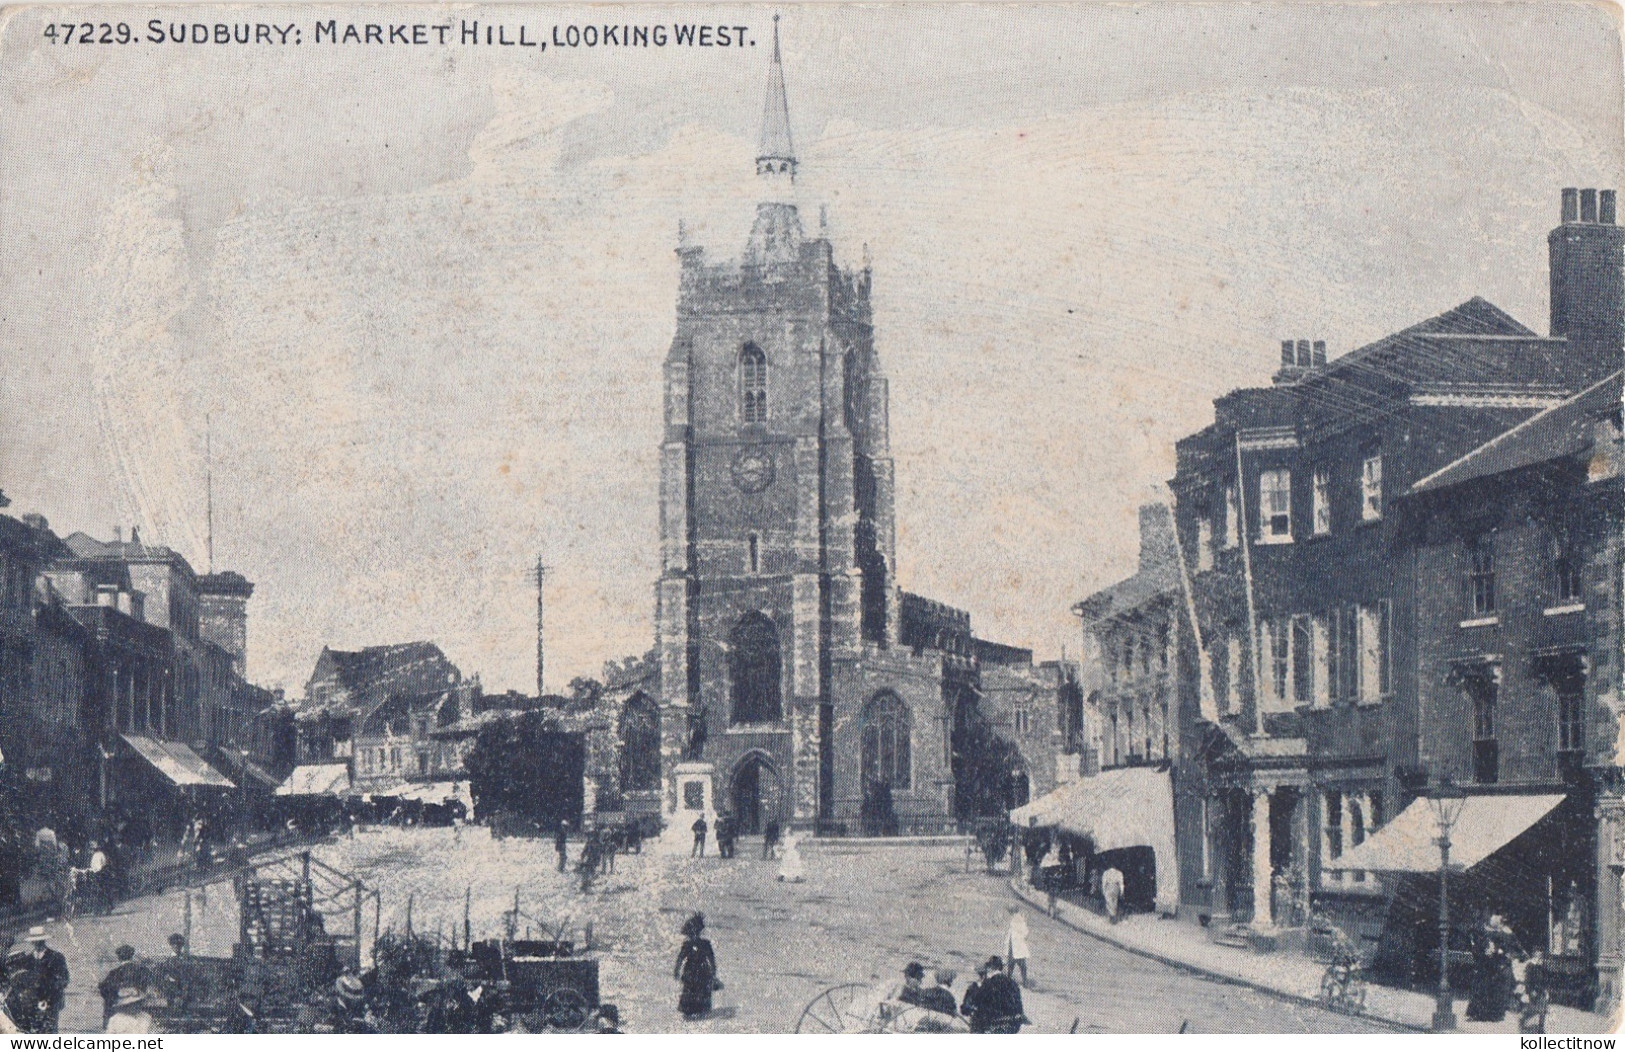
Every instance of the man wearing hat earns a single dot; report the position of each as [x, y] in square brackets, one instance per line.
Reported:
[994, 1004]
[911, 993]
[50, 975]
[349, 1013]
[129, 1013]
[128, 972]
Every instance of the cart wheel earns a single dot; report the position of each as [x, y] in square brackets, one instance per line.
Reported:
[832, 1012]
[566, 1009]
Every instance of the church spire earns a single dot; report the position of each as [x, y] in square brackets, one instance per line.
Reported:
[777, 153]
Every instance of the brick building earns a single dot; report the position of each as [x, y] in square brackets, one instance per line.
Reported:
[347, 685]
[1515, 559]
[1300, 689]
[823, 694]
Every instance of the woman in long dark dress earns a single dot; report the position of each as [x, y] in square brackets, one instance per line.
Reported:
[696, 969]
[1493, 982]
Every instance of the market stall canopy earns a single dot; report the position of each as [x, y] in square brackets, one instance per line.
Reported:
[177, 762]
[320, 779]
[1124, 807]
[1410, 843]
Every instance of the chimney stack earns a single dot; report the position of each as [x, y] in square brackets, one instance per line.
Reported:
[1298, 357]
[1587, 251]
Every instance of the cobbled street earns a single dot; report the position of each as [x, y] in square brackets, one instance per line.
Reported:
[864, 912]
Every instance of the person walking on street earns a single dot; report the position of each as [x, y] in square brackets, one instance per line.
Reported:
[700, 828]
[50, 970]
[587, 865]
[561, 844]
[696, 969]
[128, 1013]
[1015, 945]
[770, 839]
[1111, 891]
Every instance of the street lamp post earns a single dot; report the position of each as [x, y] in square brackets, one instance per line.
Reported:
[1446, 802]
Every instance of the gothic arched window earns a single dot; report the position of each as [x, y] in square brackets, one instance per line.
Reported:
[886, 754]
[754, 669]
[640, 745]
[752, 385]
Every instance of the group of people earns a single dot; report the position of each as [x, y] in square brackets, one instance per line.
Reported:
[461, 1002]
[990, 1005]
[598, 850]
[1505, 977]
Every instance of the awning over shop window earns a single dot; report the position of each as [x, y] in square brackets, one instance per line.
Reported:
[1410, 843]
[177, 762]
[1126, 807]
[320, 779]
[435, 792]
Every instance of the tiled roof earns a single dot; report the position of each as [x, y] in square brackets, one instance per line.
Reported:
[1565, 430]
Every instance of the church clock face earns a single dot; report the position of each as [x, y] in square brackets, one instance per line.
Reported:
[753, 471]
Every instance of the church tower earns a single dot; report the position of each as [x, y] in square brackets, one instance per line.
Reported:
[776, 524]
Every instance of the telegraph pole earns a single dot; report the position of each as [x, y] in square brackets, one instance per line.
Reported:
[541, 576]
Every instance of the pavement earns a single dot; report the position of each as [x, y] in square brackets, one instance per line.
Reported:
[1291, 976]
[864, 911]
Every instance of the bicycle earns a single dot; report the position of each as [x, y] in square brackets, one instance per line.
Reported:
[1343, 984]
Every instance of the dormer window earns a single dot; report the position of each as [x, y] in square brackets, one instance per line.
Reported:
[752, 385]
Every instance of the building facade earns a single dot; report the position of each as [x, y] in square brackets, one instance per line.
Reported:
[1311, 682]
[789, 657]
[1519, 668]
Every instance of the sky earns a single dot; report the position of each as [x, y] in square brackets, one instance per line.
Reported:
[418, 298]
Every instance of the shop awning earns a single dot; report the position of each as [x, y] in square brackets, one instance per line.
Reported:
[435, 792]
[1410, 843]
[177, 762]
[1040, 812]
[249, 771]
[317, 779]
[1125, 807]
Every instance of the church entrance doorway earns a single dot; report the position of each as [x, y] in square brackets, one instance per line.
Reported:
[756, 797]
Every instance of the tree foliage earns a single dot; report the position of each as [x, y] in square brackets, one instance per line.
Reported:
[524, 764]
[983, 765]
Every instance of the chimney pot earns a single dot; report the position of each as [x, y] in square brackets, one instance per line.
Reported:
[1287, 358]
[118, 534]
[1303, 354]
[1319, 358]
[1606, 207]
[1571, 205]
[1588, 206]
